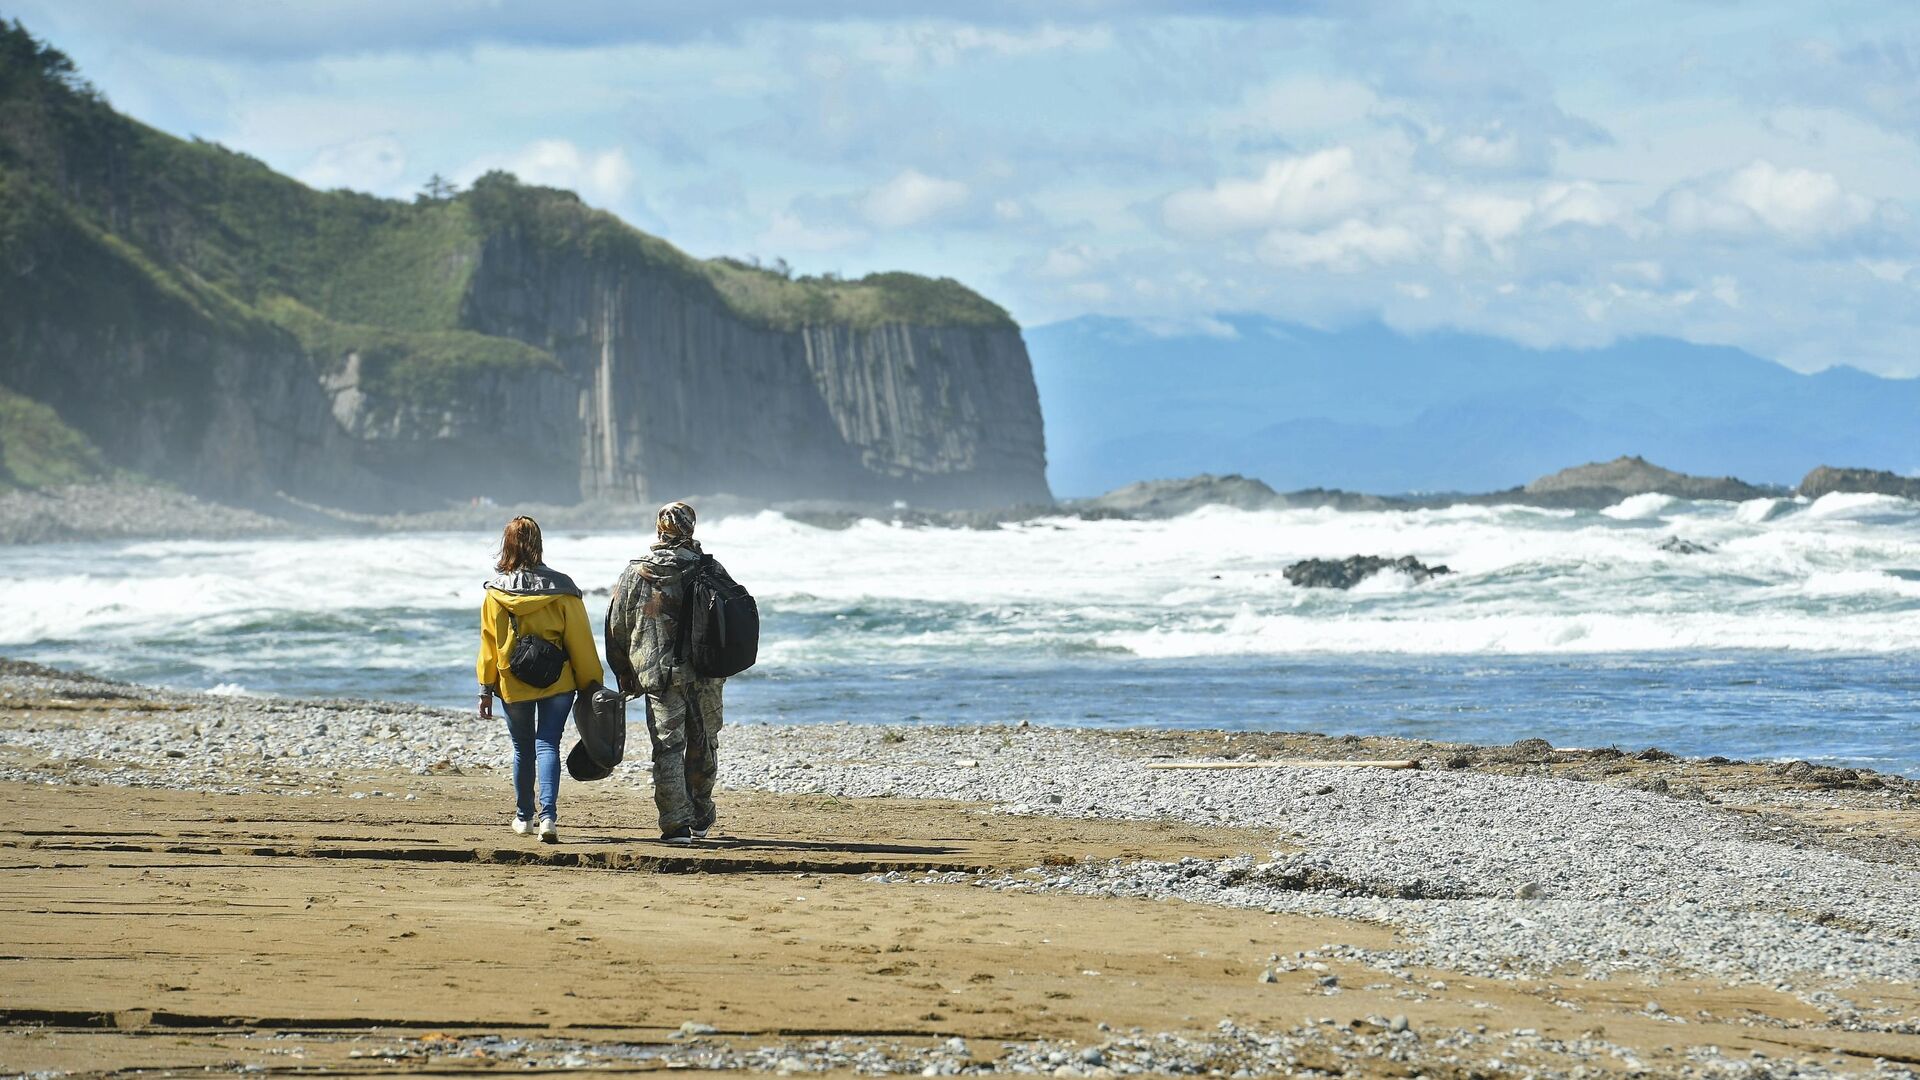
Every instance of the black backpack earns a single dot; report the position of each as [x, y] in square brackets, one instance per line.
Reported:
[719, 623]
[533, 659]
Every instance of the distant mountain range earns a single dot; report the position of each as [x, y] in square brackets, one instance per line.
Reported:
[1369, 409]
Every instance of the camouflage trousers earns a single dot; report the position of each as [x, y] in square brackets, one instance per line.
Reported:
[684, 723]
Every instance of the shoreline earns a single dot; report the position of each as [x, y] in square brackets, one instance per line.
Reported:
[1584, 897]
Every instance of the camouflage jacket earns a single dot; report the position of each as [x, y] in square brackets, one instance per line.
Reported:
[643, 620]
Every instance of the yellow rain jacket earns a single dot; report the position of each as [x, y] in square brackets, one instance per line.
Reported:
[546, 603]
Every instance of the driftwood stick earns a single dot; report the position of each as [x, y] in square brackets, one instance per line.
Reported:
[1285, 764]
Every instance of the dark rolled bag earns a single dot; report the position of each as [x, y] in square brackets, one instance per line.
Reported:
[533, 659]
[601, 720]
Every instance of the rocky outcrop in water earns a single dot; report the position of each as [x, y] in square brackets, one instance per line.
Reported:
[1585, 487]
[1171, 498]
[1604, 483]
[1348, 572]
[1826, 479]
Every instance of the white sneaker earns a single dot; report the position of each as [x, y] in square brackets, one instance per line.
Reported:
[548, 833]
[522, 826]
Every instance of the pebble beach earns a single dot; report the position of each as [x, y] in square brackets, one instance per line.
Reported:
[1517, 866]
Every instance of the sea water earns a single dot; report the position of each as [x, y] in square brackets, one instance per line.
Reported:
[1795, 636]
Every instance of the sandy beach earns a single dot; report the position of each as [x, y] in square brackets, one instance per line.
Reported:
[225, 883]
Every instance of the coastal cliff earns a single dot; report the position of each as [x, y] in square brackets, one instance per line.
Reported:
[202, 320]
[681, 390]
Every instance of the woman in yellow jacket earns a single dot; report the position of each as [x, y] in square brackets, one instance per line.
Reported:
[526, 596]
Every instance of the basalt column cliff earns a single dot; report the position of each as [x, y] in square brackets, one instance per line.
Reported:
[181, 312]
[770, 392]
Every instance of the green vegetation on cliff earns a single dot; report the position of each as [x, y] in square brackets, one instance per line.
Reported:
[247, 249]
[411, 365]
[38, 450]
[558, 220]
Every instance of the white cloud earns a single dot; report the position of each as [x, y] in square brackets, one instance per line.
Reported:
[910, 49]
[376, 163]
[1300, 105]
[1579, 203]
[601, 178]
[1493, 218]
[1493, 152]
[1069, 261]
[789, 234]
[1794, 202]
[1348, 247]
[1647, 271]
[912, 197]
[1727, 291]
[1894, 270]
[1293, 192]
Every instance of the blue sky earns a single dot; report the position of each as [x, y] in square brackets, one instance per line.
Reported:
[1732, 173]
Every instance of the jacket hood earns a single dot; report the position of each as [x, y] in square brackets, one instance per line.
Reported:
[664, 564]
[522, 590]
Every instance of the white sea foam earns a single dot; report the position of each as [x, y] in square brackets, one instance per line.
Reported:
[1640, 507]
[1754, 511]
[1207, 584]
[1861, 505]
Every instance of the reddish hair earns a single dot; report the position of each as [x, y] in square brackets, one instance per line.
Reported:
[519, 545]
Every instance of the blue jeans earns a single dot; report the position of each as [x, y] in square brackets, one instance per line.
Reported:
[535, 727]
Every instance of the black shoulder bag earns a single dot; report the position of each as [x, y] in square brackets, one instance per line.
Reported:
[533, 659]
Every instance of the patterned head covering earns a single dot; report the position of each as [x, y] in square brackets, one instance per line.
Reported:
[675, 523]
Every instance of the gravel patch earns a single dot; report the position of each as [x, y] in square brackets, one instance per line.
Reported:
[121, 512]
[1499, 874]
[1322, 1048]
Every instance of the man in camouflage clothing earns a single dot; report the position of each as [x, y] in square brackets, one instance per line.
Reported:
[683, 710]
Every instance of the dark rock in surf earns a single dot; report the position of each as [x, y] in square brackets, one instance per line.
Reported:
[1676, 546]
[1348, 572]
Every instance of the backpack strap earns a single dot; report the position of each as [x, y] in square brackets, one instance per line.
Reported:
[683, 634]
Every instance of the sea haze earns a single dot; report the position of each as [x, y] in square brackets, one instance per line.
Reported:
[1367, 409]
[1794, 636]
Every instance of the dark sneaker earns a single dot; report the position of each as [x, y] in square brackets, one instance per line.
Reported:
[681, 835]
